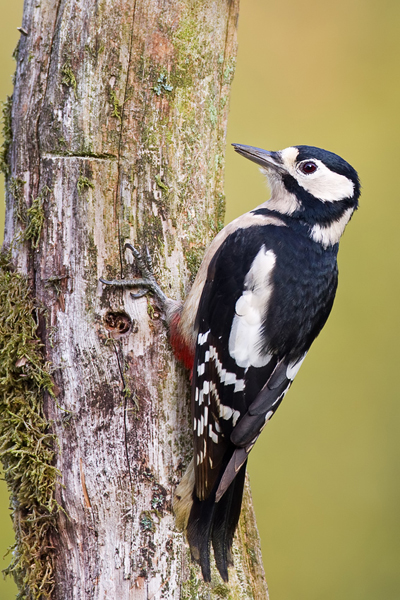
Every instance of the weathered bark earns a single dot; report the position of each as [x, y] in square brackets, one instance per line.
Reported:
[118, 129]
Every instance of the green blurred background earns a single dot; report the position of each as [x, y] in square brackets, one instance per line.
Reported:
[325, 473]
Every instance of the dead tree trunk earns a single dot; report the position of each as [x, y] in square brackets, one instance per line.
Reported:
[117, 133]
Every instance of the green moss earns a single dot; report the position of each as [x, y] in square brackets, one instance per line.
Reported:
[95, 51]
[35, 218]
[26, 446]
[161, 184]
[127, 392]
[221, 591]
[55, 281]
[117, 107]
[84, 183]
[7, 136]
[68, 77]
[16, 187]
[150, 309]
[35, 215]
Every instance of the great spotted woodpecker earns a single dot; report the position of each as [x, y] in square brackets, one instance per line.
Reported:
[263, 293]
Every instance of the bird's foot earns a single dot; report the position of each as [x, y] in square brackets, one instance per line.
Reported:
[147, 282]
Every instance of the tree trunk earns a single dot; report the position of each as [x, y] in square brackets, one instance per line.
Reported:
[117, 133]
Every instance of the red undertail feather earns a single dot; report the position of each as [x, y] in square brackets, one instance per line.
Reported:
[182, 350]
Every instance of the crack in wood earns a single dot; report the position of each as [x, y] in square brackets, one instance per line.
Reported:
[90, 157]
[53, 35]
[84, 488]
[118, 186]
[125, 413]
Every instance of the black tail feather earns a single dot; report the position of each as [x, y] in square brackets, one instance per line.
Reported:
[199, 532]
[226, 517]
[216, 522]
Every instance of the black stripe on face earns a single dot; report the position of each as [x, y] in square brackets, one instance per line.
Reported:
[314, 211]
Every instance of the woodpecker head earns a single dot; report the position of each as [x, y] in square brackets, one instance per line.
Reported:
[310, 184]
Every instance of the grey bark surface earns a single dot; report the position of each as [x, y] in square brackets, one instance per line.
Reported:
[118, 129]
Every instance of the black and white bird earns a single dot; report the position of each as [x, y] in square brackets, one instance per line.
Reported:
[263, 293]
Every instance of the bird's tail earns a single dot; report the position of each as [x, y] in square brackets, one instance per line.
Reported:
[209, 522]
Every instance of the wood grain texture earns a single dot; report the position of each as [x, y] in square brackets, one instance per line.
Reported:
[118, 121]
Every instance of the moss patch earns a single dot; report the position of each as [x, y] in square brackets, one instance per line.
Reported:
[117, 108]
[16, 187]
[26, 446]
[7, 136]
[83, 184]
[35, 218]
[161, 184]
[68, 77]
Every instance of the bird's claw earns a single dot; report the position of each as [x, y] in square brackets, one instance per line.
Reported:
[145, 264]
[147, 282]
[139, 294]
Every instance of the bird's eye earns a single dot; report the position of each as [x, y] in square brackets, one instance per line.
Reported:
[308, 167]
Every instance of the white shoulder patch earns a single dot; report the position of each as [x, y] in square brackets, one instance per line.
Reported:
[251, 307]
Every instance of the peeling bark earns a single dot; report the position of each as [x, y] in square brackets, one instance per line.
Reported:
[118, 131]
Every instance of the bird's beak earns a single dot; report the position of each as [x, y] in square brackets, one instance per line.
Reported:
[264, 158]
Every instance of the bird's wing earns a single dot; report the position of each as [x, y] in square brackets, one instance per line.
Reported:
[237, 383]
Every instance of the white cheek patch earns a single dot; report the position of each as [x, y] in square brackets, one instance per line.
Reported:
[326, 185]
[245, 337]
